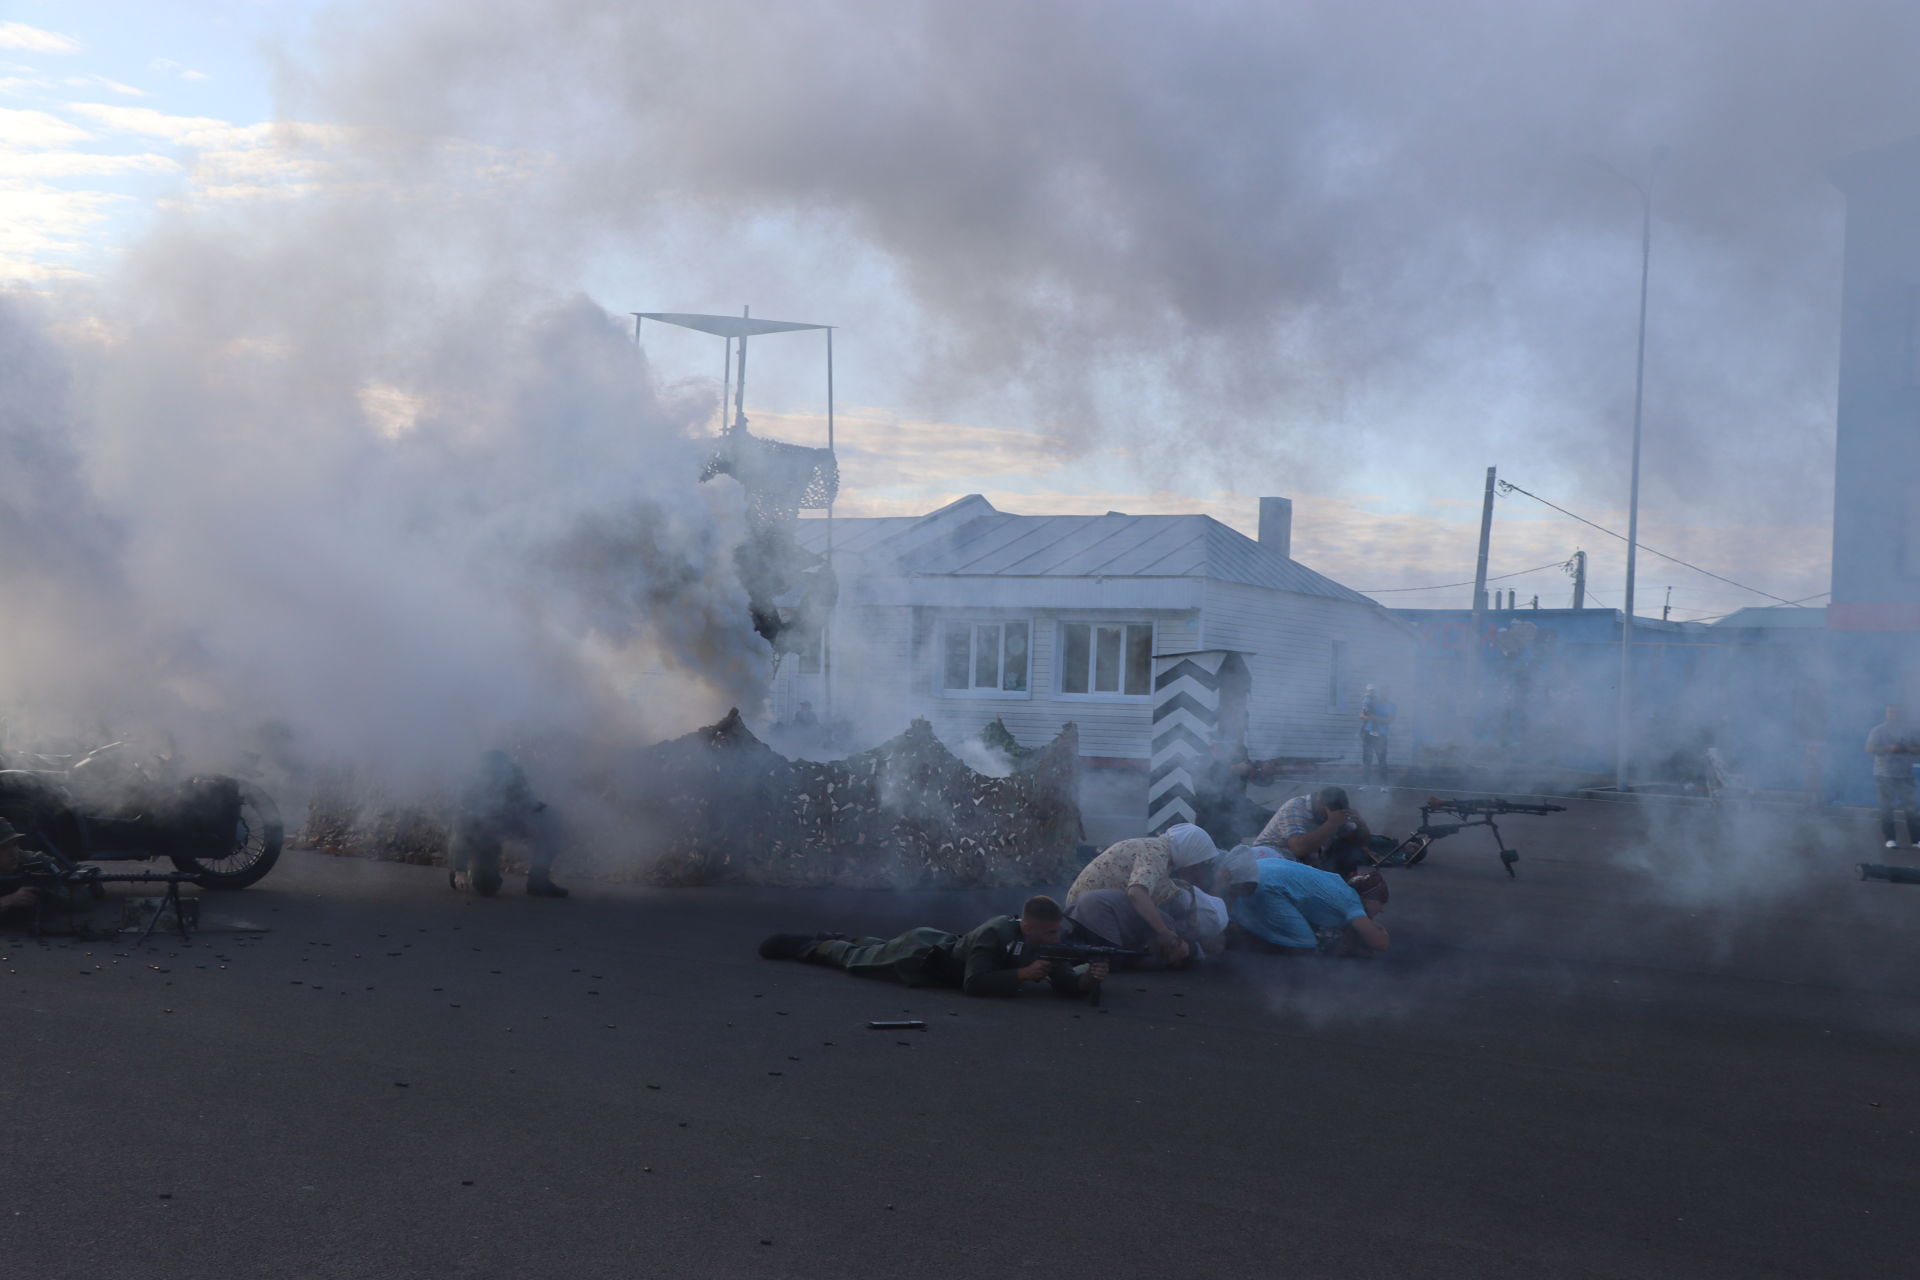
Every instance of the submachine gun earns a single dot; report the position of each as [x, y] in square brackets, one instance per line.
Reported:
[59, 883]
[1071, 953]
[1472, 813]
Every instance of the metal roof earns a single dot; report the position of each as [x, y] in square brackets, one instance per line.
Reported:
[1774, 615]
[970, 538]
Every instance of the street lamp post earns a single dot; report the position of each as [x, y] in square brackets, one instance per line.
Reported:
[1623, 737]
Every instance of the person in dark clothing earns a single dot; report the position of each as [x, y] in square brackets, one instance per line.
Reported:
[1376, 735]
[1220, 803]
[979, 962]
[14, 896]
[498, 805]
[1892, 745]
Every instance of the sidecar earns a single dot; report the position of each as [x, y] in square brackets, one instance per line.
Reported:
[225, 830]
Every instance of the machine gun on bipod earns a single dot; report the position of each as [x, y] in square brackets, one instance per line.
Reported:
[64, 887]
[1409, 852]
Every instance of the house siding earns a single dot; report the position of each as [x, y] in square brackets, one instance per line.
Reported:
[1288, 640]
[870, 654]
[884, 660]
[1108, 727]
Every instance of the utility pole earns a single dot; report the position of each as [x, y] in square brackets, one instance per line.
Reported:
[1667, 608]
[1579, 579]
[1623, 745]
[1480, 583]
[1486, 538]
[826, 625]
[1536, 604]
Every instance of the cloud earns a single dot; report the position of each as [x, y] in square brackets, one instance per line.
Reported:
[18, 35]
[171, 67]
[882, 451]
[81, 164]
[43, 227]
[19, 128]
[1346, 245]
[191, 131]
[92, 81]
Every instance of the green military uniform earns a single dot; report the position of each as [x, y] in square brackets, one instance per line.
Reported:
[980, 963]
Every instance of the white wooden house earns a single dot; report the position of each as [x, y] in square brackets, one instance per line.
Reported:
[1157, 635]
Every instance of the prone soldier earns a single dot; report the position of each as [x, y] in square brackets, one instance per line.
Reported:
[986, 961]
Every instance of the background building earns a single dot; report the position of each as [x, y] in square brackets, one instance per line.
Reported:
[1874, 619]
[1160, 636]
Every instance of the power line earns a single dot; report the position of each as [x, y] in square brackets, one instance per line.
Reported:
[1381, 591]
[1509, 487]
[1796, 603]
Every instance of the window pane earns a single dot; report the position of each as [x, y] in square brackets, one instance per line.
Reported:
[1106, 660]
[1014, 676]
[1073, 657]
[1140, 659]
[955, 636]
[986, 656]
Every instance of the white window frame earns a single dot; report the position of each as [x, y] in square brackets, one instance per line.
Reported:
[1336, 675]
[1093, 650]
[973, 624]
[808, 659]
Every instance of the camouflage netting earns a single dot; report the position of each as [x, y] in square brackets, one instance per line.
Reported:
[781, 479]
[720, 806]
[351, 816]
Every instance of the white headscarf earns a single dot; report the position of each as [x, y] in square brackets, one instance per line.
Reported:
[1190, 845]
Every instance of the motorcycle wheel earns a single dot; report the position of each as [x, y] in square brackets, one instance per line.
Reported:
[257, 837]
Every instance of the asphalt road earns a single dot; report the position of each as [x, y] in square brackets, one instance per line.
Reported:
[1679, 1045]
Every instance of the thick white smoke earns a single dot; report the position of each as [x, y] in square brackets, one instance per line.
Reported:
[1232, 236]
[354, 461]
[344, 471]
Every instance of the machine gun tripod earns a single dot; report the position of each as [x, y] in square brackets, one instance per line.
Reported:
[1386, 852]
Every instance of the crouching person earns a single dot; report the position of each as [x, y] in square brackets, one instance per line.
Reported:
[1110, 918]
[980, 963]
[1145, 870]
[1277, 904]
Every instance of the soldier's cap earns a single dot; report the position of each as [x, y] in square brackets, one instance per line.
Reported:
[7, 832]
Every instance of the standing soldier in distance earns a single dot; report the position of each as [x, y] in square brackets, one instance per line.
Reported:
[1892, 745]
[498, 805]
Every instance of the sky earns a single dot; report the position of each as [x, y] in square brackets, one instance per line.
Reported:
[1079, 256]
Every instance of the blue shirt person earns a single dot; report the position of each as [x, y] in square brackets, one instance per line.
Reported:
[1286, 904]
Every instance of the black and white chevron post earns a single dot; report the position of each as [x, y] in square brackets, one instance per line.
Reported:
[1186, 715]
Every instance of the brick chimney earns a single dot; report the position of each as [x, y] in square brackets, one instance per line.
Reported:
[1276, 525]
